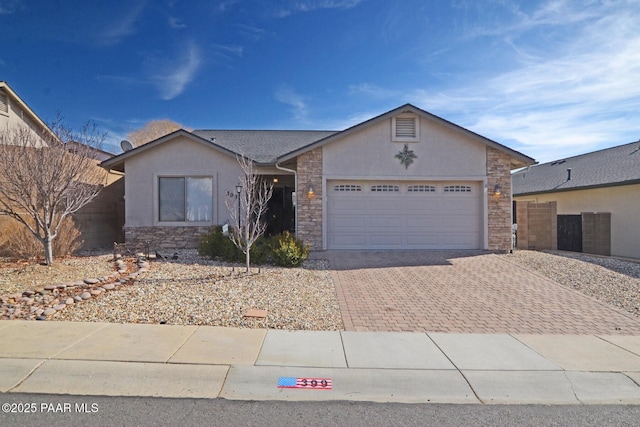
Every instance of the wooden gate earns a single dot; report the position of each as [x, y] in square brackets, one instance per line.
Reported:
[570, 233]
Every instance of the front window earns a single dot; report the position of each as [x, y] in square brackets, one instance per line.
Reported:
[186, 199]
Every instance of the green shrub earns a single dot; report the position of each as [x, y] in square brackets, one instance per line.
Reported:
[288, 251]
[283, 250]
[216, 245]
[261, 252]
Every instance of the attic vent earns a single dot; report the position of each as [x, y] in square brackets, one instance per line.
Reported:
[405, 128]
[557, 162]
[4, 103]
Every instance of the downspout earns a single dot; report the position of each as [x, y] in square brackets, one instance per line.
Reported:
[295, 208]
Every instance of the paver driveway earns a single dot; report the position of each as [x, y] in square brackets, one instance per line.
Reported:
[462, 291]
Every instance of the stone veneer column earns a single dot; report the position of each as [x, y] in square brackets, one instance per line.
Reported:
[310, 207]
[499, 224]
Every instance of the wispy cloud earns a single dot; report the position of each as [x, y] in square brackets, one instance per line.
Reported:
[572, 96]
[176, 23]
[9, 6]
[312, 5]
[228, 51]
[171, 76]
[123, 25]
[288, 96]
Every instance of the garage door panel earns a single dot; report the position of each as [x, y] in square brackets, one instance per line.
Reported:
[349, 205]
[457, 240]
[384, 204]
[340, 222]
[424, 205]
[404, 219]
[346, 241]
[423, 241]
[388, 222]
[385, 240]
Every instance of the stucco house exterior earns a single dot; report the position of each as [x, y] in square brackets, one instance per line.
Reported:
[100, 221]
[601, 190]
[406, 179]
[15, 112]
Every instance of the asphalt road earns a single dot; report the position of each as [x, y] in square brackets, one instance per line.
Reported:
[66, 410]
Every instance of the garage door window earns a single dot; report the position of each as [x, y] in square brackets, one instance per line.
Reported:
[347, 187]
[422, 189]
[457, 189]
[385, 188]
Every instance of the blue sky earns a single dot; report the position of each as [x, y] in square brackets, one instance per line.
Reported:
[549, 78]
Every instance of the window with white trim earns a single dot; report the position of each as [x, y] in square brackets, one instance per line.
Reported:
[405, 128]
[457, 189]
[385, 188]
[4, 103]
[347, 187]
[420, 188]
[185, 198]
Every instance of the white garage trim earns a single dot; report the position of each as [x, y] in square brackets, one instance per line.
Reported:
[366, 214]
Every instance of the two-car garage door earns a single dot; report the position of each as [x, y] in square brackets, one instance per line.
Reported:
[404, 215]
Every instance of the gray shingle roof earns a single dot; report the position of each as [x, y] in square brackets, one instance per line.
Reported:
[612, 166]
[263, 146]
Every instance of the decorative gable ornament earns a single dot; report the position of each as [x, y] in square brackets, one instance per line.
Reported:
[406, 156]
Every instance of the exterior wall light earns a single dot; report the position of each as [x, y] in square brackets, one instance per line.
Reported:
[311, 192]
[497, 190]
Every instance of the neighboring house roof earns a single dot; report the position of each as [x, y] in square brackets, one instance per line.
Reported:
[4, 87]
[276, 146]
[263, 146]
[92, 152]
[604, 168]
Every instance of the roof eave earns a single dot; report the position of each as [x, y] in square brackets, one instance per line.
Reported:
[582, 187]
[14, 96]
[117, 163]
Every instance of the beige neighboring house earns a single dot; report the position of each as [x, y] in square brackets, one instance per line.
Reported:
[593, 200]
[100, 222]
[15, 112]
[406, 179]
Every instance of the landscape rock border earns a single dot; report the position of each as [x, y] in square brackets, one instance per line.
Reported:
[42, 303]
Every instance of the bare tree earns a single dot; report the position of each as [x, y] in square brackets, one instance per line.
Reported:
[152, 130]
[253, 198]
[43, 180]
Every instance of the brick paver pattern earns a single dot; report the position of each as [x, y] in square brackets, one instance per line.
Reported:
[462, 291]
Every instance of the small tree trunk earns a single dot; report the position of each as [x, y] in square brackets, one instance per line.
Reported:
[48, 250]
[246, 233]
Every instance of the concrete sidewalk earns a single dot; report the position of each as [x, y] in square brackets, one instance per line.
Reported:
[210, 362]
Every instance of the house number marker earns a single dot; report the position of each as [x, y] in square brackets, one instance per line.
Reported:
[306, 383]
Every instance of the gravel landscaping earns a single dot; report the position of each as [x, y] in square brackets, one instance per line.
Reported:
[195, 291]
[611, 280]
[188, 291]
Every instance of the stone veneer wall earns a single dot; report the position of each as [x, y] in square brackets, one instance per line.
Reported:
[499, 224]
[310, 207]
[165, 237]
